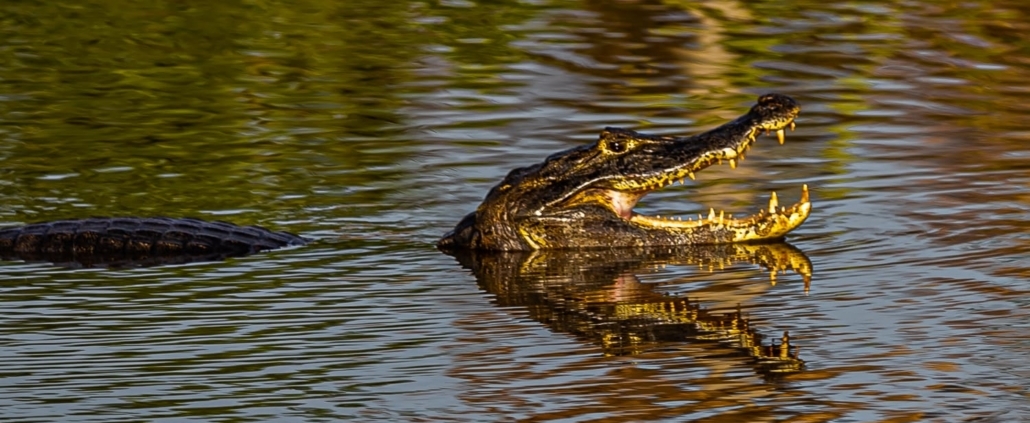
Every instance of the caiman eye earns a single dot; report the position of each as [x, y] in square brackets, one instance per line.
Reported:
[616, 146]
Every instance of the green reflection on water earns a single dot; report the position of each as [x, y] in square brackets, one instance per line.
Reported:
[114, 108]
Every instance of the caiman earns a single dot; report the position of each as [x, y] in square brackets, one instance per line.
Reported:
[133, 241]
[581, 197]
[584, 196]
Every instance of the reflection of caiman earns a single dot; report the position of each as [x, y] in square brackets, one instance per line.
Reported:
[595, 295]
[581, 197]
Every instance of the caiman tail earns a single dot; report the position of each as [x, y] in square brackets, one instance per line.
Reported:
[135, 241]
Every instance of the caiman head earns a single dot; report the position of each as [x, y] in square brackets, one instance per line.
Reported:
[584, 196]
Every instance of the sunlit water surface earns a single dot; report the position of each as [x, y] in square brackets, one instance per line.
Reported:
[374, 126]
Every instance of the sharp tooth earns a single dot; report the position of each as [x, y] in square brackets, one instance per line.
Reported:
[682, 181]
[766, 131]
[733, 163]
[779, 135]
[691, 175]
[792, 126]
[722, 214]
[711, 214]
[773, 203]
[804, 193]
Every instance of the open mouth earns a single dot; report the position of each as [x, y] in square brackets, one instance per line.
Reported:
[772, 221]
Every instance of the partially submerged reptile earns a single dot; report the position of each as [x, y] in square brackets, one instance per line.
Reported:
[584, 196]
[136, 241]
[581, 197]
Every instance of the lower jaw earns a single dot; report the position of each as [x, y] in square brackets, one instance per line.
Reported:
[774, 222]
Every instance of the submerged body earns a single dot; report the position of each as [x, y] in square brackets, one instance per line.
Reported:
[137, 241]
[584, 197]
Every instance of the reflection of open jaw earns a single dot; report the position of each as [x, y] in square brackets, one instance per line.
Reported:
[596, 294]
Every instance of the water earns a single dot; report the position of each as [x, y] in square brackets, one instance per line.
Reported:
[375, 127]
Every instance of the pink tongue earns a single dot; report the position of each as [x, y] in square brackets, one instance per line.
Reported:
[623, 202]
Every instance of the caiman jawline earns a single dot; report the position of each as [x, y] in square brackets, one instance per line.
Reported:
[583, 197]
[622, 204]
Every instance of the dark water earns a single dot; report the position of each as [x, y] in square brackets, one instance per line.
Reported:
[374, 126]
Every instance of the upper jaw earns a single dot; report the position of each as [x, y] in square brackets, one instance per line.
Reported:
[729, 142]
[675, 159]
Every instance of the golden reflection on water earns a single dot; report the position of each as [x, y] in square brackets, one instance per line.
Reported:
[597, 296]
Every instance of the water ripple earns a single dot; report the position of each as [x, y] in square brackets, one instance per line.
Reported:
[373, 128]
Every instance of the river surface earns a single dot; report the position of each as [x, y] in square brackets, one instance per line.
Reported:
[374, 126]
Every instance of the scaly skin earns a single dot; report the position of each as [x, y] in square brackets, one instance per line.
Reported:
[135, 241]
[583, 197]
